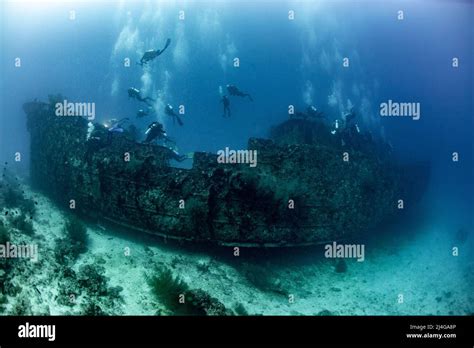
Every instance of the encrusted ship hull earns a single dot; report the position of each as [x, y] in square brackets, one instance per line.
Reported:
[298, 194]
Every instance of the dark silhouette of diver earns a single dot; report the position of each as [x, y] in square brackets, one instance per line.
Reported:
[101, 136]
[152, 54]
[135, 93]
[226, 102]
[234, 91]
[313, 112]
[351, 134]
[349, 118]
[142, 113]
[175, 155]
[310, 114]
[145, 112]
[170, 112]
[155, 131]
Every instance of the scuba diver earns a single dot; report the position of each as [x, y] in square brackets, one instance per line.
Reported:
[170, 112]
[335, 127]
[135, 93]
[100, 135]
[234, 91]
[351, 132]
[155, 131]
[175, 155]
[312, 112]
[145, 112]
[152, 54]
[116, 126]
[349, 117]
[226, 102]
[142, 113]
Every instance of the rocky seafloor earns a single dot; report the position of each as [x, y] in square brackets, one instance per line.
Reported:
[107, 272]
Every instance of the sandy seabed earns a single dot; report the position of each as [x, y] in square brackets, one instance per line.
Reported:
[420, 266]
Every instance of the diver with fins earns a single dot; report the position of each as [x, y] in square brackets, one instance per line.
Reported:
[156, 131]
[152, 54]
[115, 126]
[170, 112]
[135, 94]
[175, 155]
[234, 91]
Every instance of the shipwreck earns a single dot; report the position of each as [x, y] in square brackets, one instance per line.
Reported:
[309, 187]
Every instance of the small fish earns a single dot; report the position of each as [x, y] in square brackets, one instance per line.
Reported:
[39, 292]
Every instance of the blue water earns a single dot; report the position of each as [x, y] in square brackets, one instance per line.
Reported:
[282, 62]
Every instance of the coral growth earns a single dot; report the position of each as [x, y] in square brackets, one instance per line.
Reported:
[22, 306]
[176, 296]
[168, 288]
[197, 216]
[23, 224]
[88, 290]
[75, 242]
[4, 234]
[4, 264]
[77, 233]
[239, 309]
[91, 278]
[200, 302]
[262, 278]
[13, 197]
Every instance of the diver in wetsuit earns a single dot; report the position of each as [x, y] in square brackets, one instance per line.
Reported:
[155, 131]
[174, 154]
[100, 136]
[349, 117]
[226, 102]
[145, 112]
[234, 91]
[170, 112]
[351, 133]
[152, 54]
[117, 126]
[135, 94]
